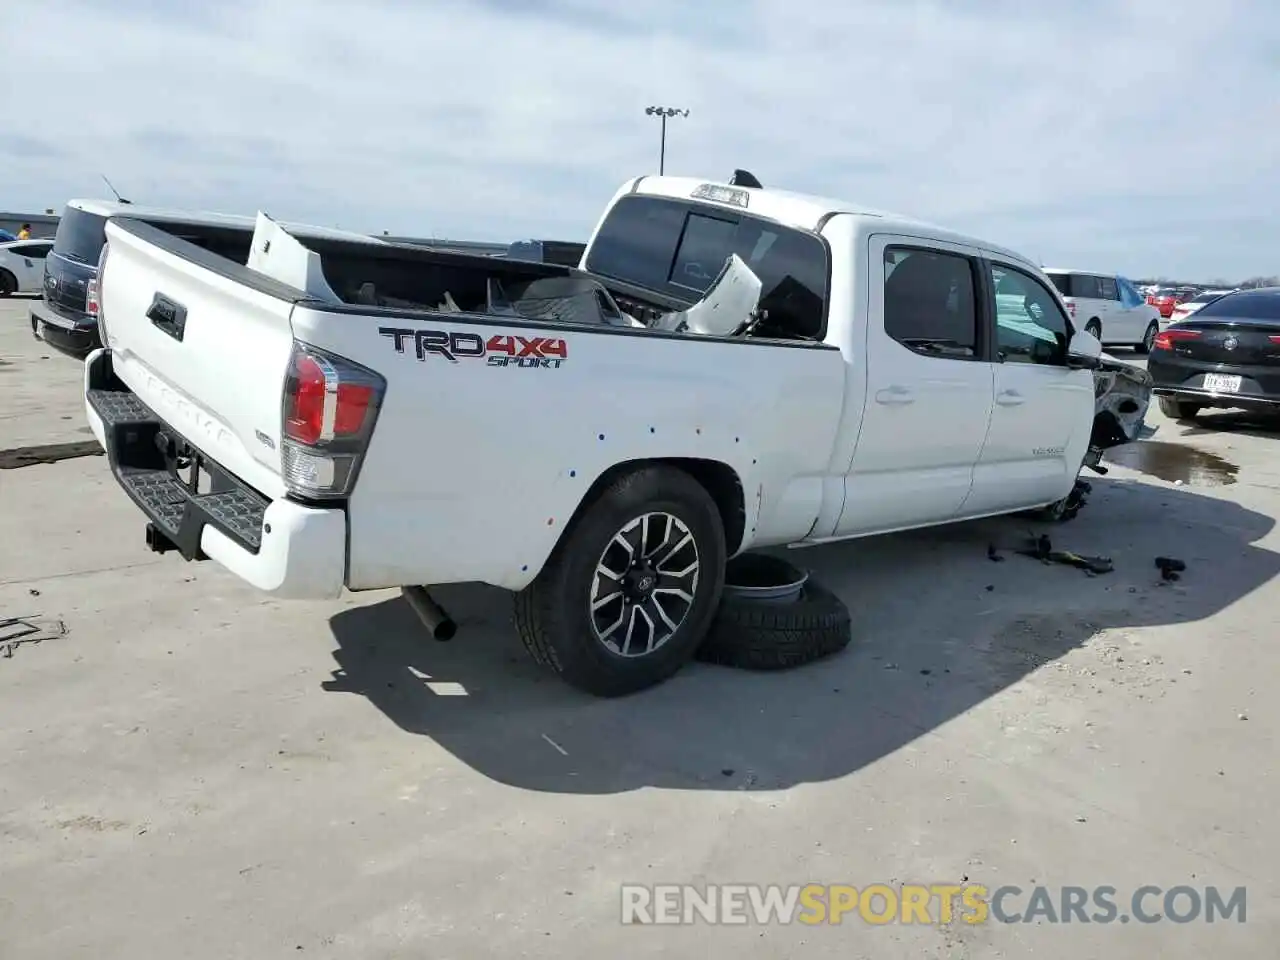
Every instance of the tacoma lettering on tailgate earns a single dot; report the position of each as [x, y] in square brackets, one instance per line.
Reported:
[500, 350]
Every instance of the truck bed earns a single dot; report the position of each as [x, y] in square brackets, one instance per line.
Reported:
[405, 276]
[507, 384]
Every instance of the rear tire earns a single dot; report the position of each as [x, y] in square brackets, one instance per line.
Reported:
[8, 283]
[1148, 339]
[1094, 327]
[1178, 409]
[566, 616]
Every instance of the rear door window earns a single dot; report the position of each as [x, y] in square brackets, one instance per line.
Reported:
[677, 248]
[930, 302]
[1084, 285]
[1108, 289]
[36, 251]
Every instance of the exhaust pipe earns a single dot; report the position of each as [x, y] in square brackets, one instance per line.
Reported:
[431, 614]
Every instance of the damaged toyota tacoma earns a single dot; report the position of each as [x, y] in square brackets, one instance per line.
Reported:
[730, 367]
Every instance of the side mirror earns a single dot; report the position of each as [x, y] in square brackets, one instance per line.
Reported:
[1084, 351]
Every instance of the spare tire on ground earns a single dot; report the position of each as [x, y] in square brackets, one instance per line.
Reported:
[773, 616]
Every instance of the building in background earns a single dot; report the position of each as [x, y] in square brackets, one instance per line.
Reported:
[43, 225]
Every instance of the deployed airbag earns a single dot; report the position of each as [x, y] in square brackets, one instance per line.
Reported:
[728, 306]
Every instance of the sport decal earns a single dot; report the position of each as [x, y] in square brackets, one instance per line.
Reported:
[499, 350]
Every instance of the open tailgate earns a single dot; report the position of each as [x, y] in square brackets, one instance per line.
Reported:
[202, 341]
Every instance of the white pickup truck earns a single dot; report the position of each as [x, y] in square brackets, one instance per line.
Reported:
[730, 368]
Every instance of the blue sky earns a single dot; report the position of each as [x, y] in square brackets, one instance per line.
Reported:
[1141, 136]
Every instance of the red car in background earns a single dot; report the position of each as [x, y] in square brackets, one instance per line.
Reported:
[1166, 299]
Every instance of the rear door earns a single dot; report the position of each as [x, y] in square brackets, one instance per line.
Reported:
[28, 264]
[929, 387]
[1116, 322]
[1138, 314]
[202, 341]
[1087, 294]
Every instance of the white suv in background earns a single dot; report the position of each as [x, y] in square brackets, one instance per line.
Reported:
[1109, 307]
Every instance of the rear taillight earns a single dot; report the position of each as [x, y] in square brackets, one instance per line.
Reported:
[1274, 339]
[330, 407]
[1165, 339]
[93, 299]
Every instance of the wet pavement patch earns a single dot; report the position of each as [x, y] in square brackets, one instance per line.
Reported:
[1174, 462]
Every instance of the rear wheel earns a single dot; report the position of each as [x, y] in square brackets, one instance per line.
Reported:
[1178, 409]
[1095, 327]
[1148, 338]
[8, 283]
[629, 592]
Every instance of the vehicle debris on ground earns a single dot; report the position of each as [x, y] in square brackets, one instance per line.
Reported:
[17, 631]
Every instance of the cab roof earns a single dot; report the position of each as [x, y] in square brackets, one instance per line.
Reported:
[805, 211]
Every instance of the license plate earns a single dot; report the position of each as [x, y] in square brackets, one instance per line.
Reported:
[1221, 383]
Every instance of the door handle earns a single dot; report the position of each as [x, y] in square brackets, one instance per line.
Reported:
[895, 395]
[1010, 398]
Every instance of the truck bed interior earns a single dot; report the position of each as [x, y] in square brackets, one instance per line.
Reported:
[409, 277]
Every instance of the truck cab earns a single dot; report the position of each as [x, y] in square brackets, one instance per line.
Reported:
[960, 397]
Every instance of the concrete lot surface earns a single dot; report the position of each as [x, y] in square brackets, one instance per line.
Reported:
[37, 385]
[192, 771]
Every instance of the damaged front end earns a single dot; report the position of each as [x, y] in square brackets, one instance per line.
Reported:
[1122, 393]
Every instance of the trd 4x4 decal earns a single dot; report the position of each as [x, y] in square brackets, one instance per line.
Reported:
[500, 350]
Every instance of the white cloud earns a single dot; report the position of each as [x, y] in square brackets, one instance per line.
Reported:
[1132, 134]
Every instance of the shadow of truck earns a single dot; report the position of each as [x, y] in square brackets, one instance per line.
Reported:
[938, 626]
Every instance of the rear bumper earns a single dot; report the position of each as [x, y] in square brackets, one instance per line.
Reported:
[1184, 378]
[74, 334]
[283, 548]
[1226, 401]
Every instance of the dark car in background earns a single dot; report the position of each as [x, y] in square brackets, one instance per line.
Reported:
[1225, 355]
[64, 316]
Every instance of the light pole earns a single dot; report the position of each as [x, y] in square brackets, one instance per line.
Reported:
[662, 113]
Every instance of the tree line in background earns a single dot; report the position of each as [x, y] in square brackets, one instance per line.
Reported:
[1216, 284]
